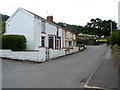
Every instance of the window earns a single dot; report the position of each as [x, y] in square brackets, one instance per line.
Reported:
[58, 42]
[57, 31]
[74, 43]
[70, 43]
[42, 41]
[43, 27]
[51, 41]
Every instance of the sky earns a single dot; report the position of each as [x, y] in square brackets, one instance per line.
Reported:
[77, 12]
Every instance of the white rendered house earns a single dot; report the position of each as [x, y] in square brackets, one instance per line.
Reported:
[45, 39]
[39, 32]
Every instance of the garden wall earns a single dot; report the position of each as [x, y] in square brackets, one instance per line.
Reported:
[40, 55]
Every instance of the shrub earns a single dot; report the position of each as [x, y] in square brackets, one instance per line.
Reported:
[79, 42]
[115, 38]
[14, 42]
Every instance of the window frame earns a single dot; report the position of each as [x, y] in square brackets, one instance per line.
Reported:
[43, 41]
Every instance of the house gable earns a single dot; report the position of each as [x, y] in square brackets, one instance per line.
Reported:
[22, 23]
[19, 9]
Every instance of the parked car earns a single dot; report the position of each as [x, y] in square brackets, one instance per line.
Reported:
[81, 46]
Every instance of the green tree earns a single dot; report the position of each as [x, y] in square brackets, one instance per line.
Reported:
[115, 38]
[94, 27]
[99, 27]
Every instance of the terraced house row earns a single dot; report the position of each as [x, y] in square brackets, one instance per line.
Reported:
[44, 36]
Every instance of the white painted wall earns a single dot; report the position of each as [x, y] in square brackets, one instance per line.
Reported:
[42, 54]
[37, 33]
[37, 56]
[56, 53]
[24, 55]
[22, 23]
[50, 29]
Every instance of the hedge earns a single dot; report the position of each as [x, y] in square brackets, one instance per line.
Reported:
[115, 38]
[14, 42]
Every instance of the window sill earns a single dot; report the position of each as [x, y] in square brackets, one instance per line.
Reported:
[43, 32]
[57, 49]
[41, 46]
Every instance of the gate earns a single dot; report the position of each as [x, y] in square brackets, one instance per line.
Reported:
[47, 53]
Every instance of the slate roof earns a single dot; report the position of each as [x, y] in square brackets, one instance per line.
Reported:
[47, 21]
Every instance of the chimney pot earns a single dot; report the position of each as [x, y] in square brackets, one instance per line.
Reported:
[50, 18]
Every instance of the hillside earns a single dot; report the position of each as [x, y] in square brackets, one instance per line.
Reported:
[93, 27]
[3, 18]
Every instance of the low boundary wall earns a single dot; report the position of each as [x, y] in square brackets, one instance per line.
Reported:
[22, 55]
[40, 55]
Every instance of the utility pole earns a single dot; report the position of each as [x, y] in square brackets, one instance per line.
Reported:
[111, 27]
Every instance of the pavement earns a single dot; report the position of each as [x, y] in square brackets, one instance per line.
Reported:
[105, 75]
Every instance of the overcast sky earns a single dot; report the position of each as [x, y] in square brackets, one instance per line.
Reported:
[77, 12]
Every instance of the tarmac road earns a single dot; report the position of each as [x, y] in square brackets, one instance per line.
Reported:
[65, 72]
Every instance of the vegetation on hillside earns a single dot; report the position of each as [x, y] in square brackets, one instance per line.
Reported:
[3, 18]
[94, 27]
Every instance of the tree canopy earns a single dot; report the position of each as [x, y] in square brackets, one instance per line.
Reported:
[94, 27]
[101, 27]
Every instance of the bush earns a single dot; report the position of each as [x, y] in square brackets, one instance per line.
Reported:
[14, 42]
[79, 42]
[115, 38]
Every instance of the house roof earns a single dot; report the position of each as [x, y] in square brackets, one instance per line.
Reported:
[37, 16]
[42, 18]
[16, 12]
[47, 21]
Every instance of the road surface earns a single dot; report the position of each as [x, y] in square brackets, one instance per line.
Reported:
[65, 72]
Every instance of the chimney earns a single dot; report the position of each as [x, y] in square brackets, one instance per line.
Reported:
[50, 18]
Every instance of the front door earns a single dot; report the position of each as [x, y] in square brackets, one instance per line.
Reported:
[51, 42]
